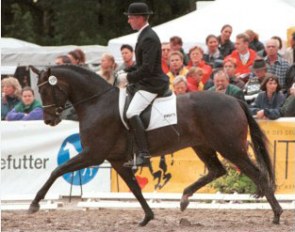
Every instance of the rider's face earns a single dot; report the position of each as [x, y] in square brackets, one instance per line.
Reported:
[136, 21]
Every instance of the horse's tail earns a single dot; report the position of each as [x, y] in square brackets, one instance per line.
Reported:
[260, 147]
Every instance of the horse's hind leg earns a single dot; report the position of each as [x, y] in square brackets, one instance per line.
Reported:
[129, 178]
[247, 167]
[215, 170]
[76, 163]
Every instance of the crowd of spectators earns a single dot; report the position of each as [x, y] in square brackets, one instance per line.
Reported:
[263, 75]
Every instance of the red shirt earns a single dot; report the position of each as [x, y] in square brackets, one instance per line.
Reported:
[205, 67]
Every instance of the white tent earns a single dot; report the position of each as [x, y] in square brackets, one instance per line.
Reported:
[266, 17]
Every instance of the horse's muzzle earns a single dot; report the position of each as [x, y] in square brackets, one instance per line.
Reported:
[53, 122]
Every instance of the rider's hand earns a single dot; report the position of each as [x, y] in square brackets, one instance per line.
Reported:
[122, 80]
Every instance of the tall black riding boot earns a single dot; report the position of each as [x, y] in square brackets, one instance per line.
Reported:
[142, 156]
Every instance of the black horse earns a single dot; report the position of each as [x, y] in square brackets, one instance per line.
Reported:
[208, 122]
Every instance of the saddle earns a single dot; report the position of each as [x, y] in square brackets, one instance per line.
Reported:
[161, 112]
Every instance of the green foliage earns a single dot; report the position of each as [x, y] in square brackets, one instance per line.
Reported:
[234, 181]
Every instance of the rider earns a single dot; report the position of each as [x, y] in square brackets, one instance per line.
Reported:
[148, 78]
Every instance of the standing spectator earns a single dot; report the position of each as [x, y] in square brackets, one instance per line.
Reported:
[194, 79]
[127, 54]
[222, 85]
[244, 55]
[176, 45]
[180, 85]
[28, 109]
[107, 68]
[290, 51]
[268, 103]
[77, 56]
[275, 63]
[230, 66]
[62, 60]
[254, 42]
[196, 60]
[226, 46]
[280, 51]
[165, 56]
[212, 54]
[176, 66]
[11, 93]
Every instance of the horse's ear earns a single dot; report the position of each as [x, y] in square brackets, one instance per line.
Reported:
[35, 70]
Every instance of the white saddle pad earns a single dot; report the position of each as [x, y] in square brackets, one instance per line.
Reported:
[163, 111]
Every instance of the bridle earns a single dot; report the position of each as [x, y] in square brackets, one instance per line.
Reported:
[59, 108]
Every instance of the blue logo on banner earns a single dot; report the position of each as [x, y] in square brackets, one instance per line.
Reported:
[71, 147]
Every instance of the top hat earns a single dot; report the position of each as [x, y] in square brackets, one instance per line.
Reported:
[259, 64]
[138, 8]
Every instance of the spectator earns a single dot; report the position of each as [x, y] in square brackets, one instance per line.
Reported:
[62, 60]
[268, 103]
[107, 68]
[244, 56]
[127, 56]
[290, 51]
[230, 66]
[28, 109]
[254, 42]
[180, 85]
[222, 85]
[212, 54]
[176, 45]
[176, 66]
[11, 94]
[77, 56]
[277, 38]
[193, 78]
[226, 46]
[165, 57]
[196, 60]
[275, 63]
[288, 108]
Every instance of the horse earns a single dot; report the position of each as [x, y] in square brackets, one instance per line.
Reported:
[209, 122]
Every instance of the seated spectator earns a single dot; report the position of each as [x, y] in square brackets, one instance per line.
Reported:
[196, 60]
[62, 60]
[165, 57]
[212, 54]
[281, 51]
[179, 85]
[244, 56]
[268, 103]
[11, 94]
[288, 108]
[77, 56]
[259, 71]
[222, 85]
[193, 78]
[107, 68]
[230, 66]
[254, 42]
[28, 109]
[127, 56]
[226, 46]
[176, 66]
[176, 45]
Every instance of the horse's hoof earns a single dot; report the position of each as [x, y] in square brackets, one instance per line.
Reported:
[146, 220]
[33, 208]
[184, 202]
[276, 219]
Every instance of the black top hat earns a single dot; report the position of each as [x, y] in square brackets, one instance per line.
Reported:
[259, 64]
[138, 8]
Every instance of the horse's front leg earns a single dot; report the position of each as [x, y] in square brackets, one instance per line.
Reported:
[129, 178]
[78, 162]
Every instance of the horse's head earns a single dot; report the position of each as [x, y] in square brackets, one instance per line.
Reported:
[54, 94]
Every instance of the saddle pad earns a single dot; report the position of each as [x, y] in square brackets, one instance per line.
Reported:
[163, 112]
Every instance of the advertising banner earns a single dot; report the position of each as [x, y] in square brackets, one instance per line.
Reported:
[31, 150]
[174, 172]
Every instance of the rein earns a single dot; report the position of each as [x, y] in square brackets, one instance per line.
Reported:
[58, 108]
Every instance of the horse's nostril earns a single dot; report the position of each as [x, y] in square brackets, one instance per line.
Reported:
[47, 122]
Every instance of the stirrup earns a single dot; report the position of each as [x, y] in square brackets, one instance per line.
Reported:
[134, 162]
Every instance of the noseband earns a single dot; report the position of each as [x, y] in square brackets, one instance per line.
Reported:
[52, 81]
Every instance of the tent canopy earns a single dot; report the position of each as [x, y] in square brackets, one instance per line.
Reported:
[265, 17]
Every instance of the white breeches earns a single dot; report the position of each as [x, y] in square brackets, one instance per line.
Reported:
[139, 103]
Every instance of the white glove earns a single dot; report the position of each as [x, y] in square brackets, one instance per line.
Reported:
[122, 80]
